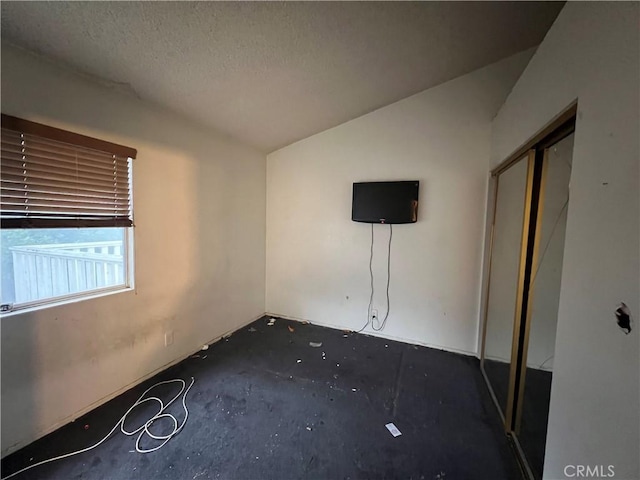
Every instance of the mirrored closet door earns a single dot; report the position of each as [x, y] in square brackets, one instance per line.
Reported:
[529, 212]
[509, 223]
[544, 299]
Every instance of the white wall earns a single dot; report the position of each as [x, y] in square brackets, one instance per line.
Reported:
[317, 258]
[199, 251]
[591, 53]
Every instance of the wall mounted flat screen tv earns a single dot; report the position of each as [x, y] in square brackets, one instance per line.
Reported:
[385, 202]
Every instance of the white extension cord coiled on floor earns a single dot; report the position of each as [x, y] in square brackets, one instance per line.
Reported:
[142, 430]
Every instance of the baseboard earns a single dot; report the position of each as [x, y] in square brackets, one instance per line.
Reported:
[378, 334]
[111, 396]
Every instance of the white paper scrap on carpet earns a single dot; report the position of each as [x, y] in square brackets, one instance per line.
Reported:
[393, 429]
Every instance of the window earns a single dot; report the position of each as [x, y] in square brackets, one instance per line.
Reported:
[66, 215]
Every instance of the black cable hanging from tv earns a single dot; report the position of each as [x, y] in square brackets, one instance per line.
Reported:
[386, 316]
[371, 277]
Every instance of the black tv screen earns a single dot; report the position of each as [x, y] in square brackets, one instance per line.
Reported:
[385, 202]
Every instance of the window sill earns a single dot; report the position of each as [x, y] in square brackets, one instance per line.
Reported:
[67, 300]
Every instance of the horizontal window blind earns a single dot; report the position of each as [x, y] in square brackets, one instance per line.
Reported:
[53, 178]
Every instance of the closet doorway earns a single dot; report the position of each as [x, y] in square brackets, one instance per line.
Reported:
[530, 198]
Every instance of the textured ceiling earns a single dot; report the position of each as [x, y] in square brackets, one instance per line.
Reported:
[268, 73]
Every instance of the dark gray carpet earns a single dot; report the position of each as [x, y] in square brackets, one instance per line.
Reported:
[256, 413]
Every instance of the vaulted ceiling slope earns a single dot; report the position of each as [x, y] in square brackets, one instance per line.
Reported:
[269, 73]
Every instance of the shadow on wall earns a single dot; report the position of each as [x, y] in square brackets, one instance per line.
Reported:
[16, 364]
[199, 253]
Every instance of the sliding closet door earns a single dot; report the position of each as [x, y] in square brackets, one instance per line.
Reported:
[544, 298]
[522, 285]
[503, 306]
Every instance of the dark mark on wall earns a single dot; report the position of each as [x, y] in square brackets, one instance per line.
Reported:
[623, 316]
